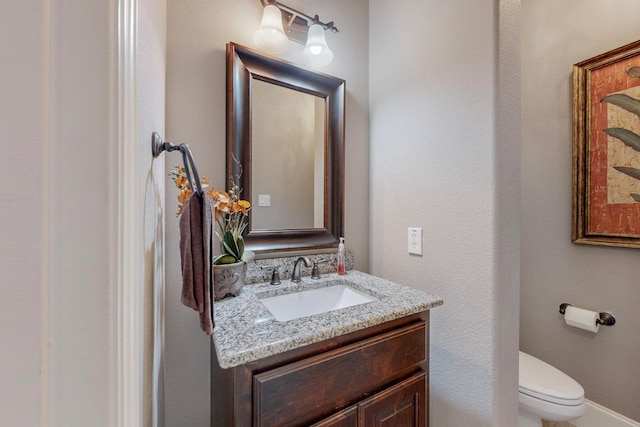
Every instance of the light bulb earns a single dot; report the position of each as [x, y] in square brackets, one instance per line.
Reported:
[270, 36]
[316, 53]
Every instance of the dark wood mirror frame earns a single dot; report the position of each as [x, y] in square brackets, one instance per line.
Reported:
[243, 65]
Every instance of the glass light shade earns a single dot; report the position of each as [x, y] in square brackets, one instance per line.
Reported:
[316, 53]
[270, 37]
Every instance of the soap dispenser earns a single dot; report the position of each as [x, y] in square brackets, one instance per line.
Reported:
[341, 258]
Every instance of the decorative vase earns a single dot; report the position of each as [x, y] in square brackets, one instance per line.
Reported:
[228, 279]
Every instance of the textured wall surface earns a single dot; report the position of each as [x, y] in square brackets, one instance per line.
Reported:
[445, 156]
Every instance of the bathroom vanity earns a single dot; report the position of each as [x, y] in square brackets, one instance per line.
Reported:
[295, 362]
[366, 364]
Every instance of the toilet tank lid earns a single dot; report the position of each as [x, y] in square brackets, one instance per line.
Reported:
[543, 381]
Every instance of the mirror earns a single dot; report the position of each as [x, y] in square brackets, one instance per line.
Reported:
[285, 132]
[287, 149]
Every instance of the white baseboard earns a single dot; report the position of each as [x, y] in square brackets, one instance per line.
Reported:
[599, 416]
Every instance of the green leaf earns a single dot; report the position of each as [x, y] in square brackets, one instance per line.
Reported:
[228, 249]
[224, 259]
[228, 238]
[634, 72]
[632, 172]
[629, 138]
[624, 101]
[230, 245]
[240, 243]
[635, 196]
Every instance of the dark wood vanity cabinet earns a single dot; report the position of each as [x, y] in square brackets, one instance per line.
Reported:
[373, 377]
[402, 405]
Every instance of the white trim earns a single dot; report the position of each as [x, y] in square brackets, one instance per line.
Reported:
[129, 384]
[598, 416]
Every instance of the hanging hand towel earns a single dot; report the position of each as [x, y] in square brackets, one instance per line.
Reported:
[191, 254]
[195, 254]
[206, 316]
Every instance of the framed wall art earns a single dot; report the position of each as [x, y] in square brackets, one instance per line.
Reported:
[606, 149]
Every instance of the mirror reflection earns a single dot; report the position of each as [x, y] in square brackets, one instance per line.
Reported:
[288, 158]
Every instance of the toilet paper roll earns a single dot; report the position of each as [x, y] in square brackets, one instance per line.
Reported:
[581, 318]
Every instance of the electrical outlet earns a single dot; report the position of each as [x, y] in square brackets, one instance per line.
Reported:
[415, 241]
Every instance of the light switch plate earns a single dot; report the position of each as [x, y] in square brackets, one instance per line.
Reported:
[264, 200]
[415, 241]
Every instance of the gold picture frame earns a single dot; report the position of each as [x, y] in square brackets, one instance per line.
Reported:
[606, 149]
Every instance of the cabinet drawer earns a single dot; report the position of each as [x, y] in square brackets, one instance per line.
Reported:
[301, 392]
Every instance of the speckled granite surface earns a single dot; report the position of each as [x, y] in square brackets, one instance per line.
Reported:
[246, 331]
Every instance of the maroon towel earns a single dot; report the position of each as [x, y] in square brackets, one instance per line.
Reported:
[196, 238]
[206, 316]
[192, 253]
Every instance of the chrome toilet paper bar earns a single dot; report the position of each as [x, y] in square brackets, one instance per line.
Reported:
[605, 319]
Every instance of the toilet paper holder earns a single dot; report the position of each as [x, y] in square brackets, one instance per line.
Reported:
[605, 319]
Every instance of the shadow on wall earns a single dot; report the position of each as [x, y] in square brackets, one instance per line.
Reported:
[153, 300]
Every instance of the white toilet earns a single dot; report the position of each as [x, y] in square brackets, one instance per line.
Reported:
[547, 393]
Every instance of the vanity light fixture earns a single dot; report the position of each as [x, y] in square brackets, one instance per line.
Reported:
[270, 36]
[316, 53]
[295, 26]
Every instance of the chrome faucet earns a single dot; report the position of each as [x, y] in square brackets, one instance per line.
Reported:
[295, 277]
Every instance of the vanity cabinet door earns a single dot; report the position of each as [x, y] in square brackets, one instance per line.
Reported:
[298, 393]
[346, 418]
[402, 405]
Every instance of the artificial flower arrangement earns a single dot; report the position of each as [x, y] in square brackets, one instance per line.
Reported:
[230, 212]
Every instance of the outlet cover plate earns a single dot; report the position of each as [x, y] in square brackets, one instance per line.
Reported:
[415, 241]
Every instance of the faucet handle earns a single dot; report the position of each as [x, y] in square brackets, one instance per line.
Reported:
[275, 276]
[315, 271]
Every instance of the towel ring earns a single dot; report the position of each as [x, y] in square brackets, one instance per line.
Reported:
[158, 146]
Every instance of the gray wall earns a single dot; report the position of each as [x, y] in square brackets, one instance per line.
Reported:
[556, 35]
[197, 33]
[59, 266]
[151, 63]
[445, 156]
[23, 253]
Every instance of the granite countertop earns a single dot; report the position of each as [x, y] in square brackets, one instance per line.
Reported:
[246, 331]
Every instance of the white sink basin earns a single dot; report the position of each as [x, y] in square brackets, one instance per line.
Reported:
[314, 301]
